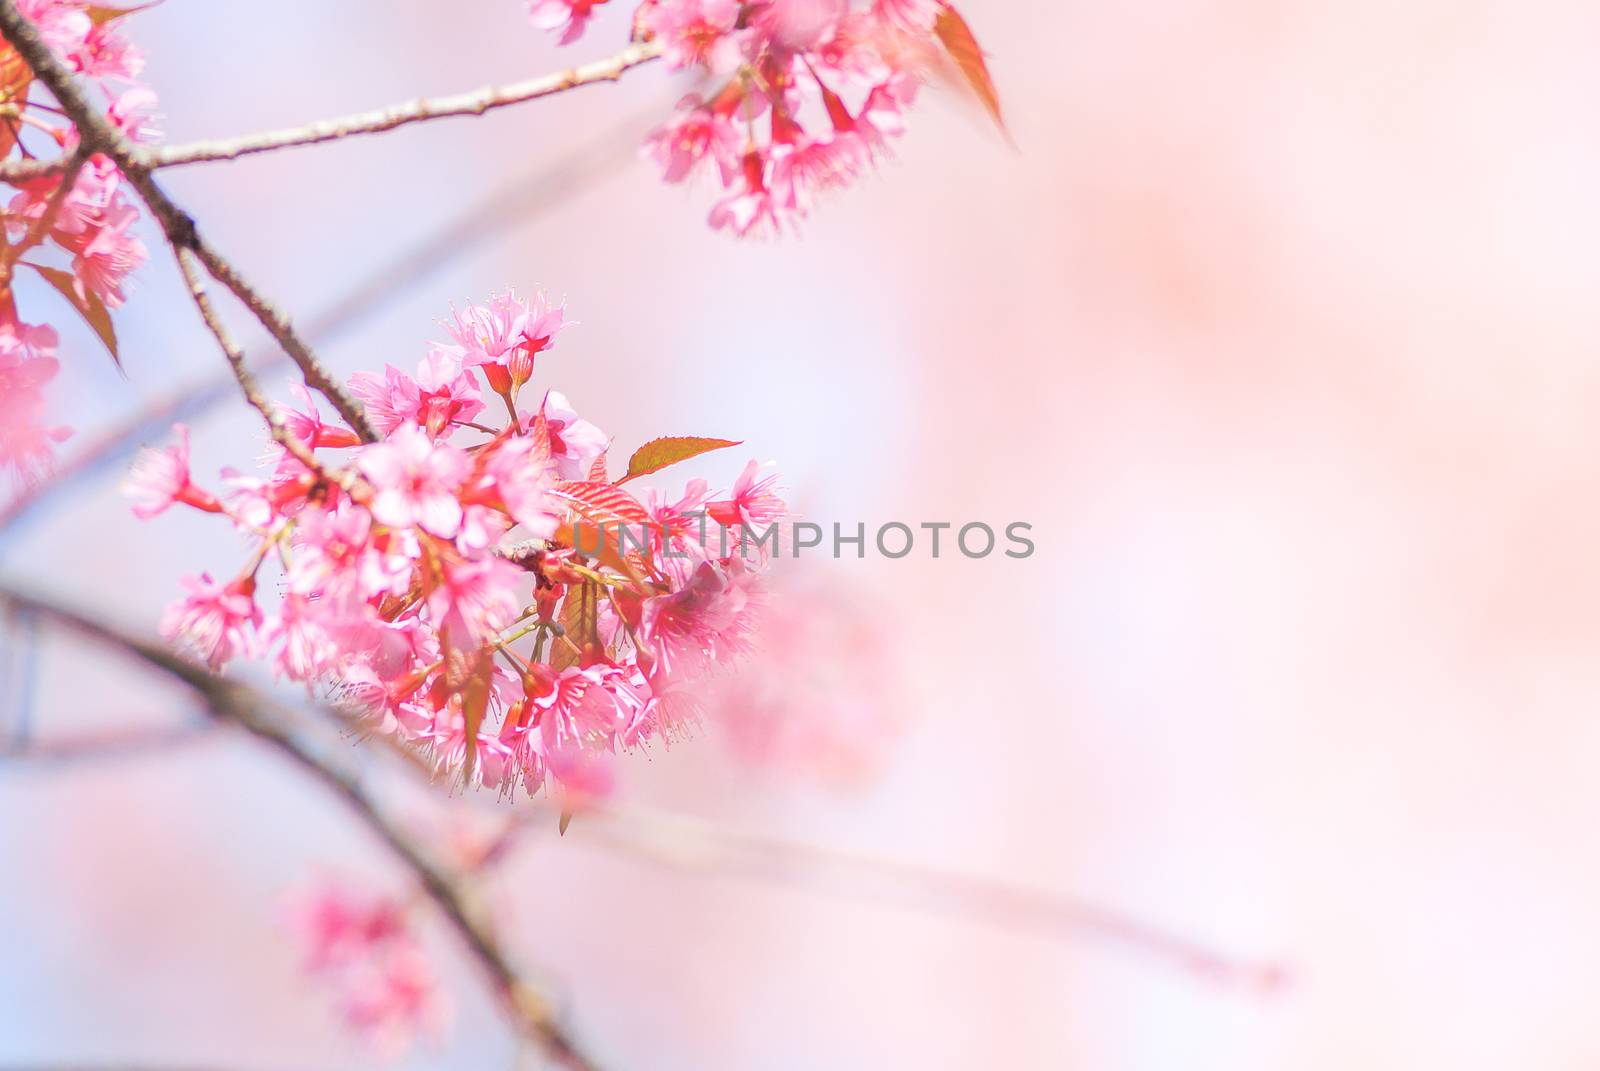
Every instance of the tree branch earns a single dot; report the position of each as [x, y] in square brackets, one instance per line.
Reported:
[376, 121]
[679, 842]
[97, 135]
[232, 703]
[524, 196]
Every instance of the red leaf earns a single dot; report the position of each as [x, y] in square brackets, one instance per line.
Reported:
[601, 502]
[597, 471]
[956, 37]
[93, 310]
[598, 512]
[16, 78]
[580, 618]
[100, 14]
[657, 454]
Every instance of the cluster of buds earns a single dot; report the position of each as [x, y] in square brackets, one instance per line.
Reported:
[805, 94]
[81, 220]
[469, 588]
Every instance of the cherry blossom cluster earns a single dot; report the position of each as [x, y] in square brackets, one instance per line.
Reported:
[360, 945]
[804, 95]
[86, 229]
[471, 587]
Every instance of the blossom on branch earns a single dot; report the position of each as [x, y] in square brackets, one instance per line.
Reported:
[804, 93]
[484, 593]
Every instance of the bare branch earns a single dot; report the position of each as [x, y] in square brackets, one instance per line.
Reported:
[476, 102]
[247, 382]
[97, 135]
[679, 842]
[525, 196]
[376, 121]
[117, 745]
[233, 703]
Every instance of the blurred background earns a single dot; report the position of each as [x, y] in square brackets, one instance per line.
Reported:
[1278, 325]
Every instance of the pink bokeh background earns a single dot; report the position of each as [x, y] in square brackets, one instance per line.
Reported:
[1279, 327]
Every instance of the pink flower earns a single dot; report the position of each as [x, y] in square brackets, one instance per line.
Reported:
[362, 945]
[695, 32]
[696, 135]
[574, 442]
[711, 619]
[133, 114]
[522, 474]
[800, 25]
[108, 256]
[883, 115]
[393, 999]
[752, 210]
[504, 335]
[309, 427]
[752, 503]
[27, 363]
[438, 398]
[416, 480]
[159, 478]
[571, 17]
[214, 619]
[476, 599]
[336, 924]
[801, 169]
[306, 649]
[909, 16]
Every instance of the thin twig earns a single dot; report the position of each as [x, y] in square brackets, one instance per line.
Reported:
[233, 703]
[375, 121]
[680, 842]
[241, 371]
[47, 218]
[115, 745]
[97, 135]
[526, 196]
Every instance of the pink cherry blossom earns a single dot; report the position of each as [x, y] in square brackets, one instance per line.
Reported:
[569, 16]
[909, 16]
[27, 363]
[441, 396]
[752, 503]
[504, 335]
[406, 597]
[800, 25]
[574, 442]
[416, 481]
[696, 135]
[712, 618]
[695, 32]
[475, 599]
[111, 252]
[215, 620]
[522, 473]
[360, 945]
[159, 478]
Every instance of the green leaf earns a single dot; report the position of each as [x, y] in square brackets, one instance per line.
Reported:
[657, 454]
[92, 309]
[956, 37]
[566, 820]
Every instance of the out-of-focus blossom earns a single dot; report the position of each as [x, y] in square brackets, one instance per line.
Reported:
[27, 363]
[805, 93]
[215, 619]
[360, 945]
